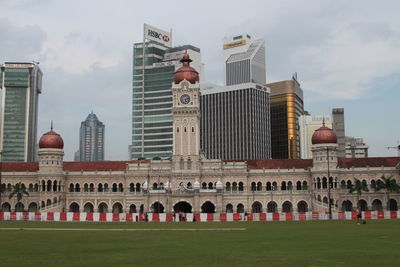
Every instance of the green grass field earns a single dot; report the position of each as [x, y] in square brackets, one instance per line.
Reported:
[311, 243]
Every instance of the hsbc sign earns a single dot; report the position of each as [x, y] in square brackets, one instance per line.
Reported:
[160, 36]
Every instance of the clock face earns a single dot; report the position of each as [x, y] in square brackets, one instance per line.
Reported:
[185, 99]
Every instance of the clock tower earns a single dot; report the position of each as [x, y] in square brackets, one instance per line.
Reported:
[186, 116]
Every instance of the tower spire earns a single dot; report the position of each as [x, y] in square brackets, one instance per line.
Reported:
[51, 125]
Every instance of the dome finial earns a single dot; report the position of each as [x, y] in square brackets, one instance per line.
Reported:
[51, 125]
[323, 121]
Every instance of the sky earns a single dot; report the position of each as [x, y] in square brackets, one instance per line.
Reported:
[346, 54]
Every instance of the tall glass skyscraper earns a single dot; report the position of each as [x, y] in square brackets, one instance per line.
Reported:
[152, 97]
[91, 139]
[21, 84]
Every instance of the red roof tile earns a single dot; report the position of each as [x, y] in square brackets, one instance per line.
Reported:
[371, 162]
[280, 164]
[75, 166]
[19, 166]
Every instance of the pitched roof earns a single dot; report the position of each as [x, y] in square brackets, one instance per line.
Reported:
[280, 163]
[371, 162]
[19, 166]
[75, 166]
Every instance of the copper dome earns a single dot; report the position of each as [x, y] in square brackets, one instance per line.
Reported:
[51, 139]
[324, 135]
[186, 72]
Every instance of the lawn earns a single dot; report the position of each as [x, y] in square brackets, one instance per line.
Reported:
[306, 243]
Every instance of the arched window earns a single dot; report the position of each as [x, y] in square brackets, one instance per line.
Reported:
[256, 207]
[287, 206]
[241, 186]
[85, 187]
[105, 188]
[228, 186]
[49, 186]
[43, 186]
[77, 188]
[30, 189]
[274, 186]
[36, 188]
[71, 187]
[114, 187]
[318, 183]
[240, 208]
[229, 208]
[298, 185]
[132, 188]
[181, 164]
[283, 186]
[349, 184]
[189, 164]
[272, 206]
[253, 186]
[210, 185]
[302, 206]
[55, 186]
[289, 185]
[91, 187]
[269, 186]
[373, 184]
[100, 188]
[203, 185]
[259, 186]
[234, 186]
[305, 186]
[120, 187]
[343, 184]
[324, 183]
[155, 186]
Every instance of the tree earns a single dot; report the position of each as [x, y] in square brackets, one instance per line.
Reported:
[141, 158]
[388, 184]
[18, 190]
[156, 158]
[358, 187]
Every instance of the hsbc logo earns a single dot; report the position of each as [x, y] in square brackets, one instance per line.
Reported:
[158, 35]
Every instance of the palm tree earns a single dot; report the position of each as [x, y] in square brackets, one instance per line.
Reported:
[18, 190]
[358, 187]
[389, 184]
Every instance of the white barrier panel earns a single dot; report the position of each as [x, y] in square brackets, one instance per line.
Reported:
[347, 215]
[387, 214]
[109, 217]
[96, 217]
[256, 217]
[374, 215]
[163, 217]
[203, 217]
[189, 217]
[56, 216]
[229, 217]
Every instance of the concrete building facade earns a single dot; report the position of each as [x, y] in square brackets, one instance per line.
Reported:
[21, 84]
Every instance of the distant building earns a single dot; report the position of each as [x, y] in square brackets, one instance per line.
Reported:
[356, 148]
[152, 97]
[235, 122]
[339, 128]
[308, 125]
[91, 139]
[244, 60]
[21, 84]
[286, 108]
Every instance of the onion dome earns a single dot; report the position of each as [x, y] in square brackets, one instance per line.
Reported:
[186, 72]
[324, 135]
[51, 139]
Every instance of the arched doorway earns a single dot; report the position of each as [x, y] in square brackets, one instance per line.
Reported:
[256, 207]
[392, 204]
[287, 206]
[183, 206]
[74, 207]
[302, 206]
[132, 208]
[19, 207]
[377, 205]
[103, 208]
[6, 207]
[240, 208]
[117, 208]
[208, 207]
[347, 205]
[33, 207]
[272, 206]
[363, 205]
[229, 208]
[88, 207]
[157, 207]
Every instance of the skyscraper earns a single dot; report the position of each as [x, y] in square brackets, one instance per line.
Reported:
[339, 129]
[286, 108]
[235, 122]
[21, 84]
[152, 96]
[91, 139]
[244, 60]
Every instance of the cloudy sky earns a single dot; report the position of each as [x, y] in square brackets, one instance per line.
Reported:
[346, 54]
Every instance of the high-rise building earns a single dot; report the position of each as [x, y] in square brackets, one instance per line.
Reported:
[308, 125]
[244, 60]
[286, 108]
[339, 129]
[91, 139]
[356, 148]
[235, 122]
[152, 96]
[21, 84]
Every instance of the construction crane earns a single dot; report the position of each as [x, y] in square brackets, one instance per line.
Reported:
[395, 147]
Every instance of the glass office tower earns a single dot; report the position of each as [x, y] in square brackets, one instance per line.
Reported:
[21, 84]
